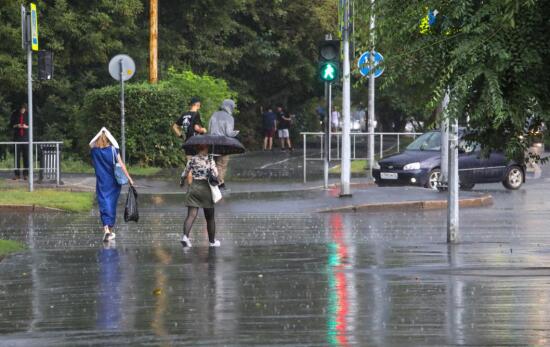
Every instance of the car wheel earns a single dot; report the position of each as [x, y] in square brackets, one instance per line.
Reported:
[514, 178]
[467, 186]
[433, 179]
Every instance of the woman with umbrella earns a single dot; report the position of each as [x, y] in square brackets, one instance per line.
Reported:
[199, 194]
[198, 169]
[104, 158]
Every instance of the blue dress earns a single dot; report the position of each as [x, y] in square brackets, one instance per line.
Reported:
[107, 188]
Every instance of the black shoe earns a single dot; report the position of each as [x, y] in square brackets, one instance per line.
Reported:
[222, 186]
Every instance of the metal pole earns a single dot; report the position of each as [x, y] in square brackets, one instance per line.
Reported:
[443, 180]
[122, 120]
[398, 144]
[29, 103]
[329, 116]
[370, 110]
[57, 174]
[346, 105]
[305, 158]
[452, 202]
[326, 152]
[381, 145]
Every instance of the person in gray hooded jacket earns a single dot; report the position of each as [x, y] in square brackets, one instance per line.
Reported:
[222, 124]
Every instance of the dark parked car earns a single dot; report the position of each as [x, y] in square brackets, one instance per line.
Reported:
[420, 165]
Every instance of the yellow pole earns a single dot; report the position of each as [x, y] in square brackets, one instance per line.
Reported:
[153, 41]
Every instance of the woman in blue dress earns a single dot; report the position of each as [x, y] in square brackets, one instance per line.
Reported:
[105, 155]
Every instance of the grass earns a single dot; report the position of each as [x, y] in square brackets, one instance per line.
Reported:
[68, 201]
[79, 166]
[7, 247]
[357, 167]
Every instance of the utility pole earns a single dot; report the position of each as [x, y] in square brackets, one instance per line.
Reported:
[370, 110]
[153, 41]
[346, 109]
[452, 200]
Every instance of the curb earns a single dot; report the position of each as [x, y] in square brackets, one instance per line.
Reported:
[28, 208]
[485, 200]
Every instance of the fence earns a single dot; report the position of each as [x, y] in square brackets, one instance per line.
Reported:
[387, 143]
[47, 163]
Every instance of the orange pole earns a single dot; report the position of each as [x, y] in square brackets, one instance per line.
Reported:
[153, 41]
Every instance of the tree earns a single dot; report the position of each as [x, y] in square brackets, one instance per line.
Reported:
[490, 53]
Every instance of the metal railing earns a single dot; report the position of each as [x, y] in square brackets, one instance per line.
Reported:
[359, 145]
[47, 163]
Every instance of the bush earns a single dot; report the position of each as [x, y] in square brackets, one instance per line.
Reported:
[150, 112]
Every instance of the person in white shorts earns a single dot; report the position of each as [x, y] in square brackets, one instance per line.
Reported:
[283, 124]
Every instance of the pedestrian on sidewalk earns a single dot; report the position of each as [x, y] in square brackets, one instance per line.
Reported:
[283, 126]
[105, 156]
[19, 122]
[222, 124]
[199, 194]
[269, 120]
[335, 119]
[189, 123]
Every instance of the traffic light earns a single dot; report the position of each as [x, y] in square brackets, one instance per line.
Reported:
[329, 60]
[45, 65]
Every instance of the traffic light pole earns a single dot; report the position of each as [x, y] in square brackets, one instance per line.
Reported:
[326, 141]
[346, 110]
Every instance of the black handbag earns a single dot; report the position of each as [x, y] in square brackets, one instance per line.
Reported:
[131, 210]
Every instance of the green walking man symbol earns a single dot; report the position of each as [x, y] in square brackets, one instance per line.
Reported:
[328, 72]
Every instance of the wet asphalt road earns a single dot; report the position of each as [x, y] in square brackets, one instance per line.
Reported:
[283, 279]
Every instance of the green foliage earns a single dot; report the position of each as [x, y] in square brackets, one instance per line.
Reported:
[150, 112]
[491, 55]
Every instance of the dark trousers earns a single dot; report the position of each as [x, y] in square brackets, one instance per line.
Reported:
[22, 153]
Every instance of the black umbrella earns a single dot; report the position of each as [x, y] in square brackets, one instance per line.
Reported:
[217, 144]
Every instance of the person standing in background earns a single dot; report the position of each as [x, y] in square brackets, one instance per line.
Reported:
[19, 122]
[335, 119]
[268, 126]
[283, 126]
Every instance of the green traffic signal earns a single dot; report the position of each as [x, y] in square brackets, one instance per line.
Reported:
[328, 71]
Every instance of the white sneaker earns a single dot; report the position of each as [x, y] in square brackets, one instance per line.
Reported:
[216, 243]
[111, 236]
[185, 241]
[106, 236]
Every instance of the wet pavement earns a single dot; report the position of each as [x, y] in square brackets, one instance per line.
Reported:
[284, 276]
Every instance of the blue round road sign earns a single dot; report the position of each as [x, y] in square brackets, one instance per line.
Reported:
[363, 64]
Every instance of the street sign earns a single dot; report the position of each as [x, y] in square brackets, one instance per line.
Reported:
[364, 62]
[34, 28]
[128, 67]
[122, 68]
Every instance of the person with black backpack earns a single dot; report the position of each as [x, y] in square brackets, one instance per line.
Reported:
[189, 123]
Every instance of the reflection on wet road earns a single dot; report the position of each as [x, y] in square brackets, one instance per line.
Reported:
[300, 279]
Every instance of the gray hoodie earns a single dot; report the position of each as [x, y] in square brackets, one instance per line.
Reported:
[222, 122]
